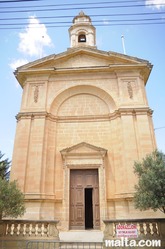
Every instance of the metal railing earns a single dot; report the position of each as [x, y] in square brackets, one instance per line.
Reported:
[48, 244]
[12, 244]
[63, 245]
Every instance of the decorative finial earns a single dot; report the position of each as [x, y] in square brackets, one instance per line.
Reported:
[81, 13]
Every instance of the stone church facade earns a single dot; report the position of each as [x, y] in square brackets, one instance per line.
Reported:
[84, 120]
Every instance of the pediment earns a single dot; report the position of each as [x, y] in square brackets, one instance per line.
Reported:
[82, 149]
[81, 60]
[82, 57]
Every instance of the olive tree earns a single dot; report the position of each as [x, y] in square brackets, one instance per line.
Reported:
[150, 189]
[11, 197]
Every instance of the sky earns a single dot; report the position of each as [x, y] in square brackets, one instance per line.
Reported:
[31, 29]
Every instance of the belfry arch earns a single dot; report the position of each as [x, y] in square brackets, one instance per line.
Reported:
[82, 37]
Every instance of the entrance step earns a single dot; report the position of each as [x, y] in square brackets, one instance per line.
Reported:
[81, 236]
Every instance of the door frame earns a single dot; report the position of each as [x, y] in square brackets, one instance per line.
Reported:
[79, 202]
[89, 157]
[102, 193]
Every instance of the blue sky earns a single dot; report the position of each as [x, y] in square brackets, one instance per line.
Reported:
[24, 43]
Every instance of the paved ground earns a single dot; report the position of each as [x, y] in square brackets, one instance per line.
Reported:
[82, 236]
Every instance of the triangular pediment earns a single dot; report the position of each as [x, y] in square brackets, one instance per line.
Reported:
[82, 57]
[83, 148]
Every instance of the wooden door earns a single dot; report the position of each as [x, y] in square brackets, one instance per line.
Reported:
[84, 196]
[76, 200]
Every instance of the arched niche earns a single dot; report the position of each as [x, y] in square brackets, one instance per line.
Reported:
[93, 95]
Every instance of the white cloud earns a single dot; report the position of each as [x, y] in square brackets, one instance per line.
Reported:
[17, 63]
[34, 38]
[156, 4]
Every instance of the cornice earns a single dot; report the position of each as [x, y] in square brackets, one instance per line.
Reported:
[124, 111]
[143, 70]
[45, 65]
[30, 197]
[121, 197]
[32, 115]
[108, 67]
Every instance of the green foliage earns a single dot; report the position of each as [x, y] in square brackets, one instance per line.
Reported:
[11, 199]
[150, 190]
[4, 166]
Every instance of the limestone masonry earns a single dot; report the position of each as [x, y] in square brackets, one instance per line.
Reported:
[84, 120]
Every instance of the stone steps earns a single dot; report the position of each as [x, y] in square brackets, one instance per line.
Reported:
[82, 236]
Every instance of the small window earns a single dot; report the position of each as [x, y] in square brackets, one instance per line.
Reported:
[82, 38]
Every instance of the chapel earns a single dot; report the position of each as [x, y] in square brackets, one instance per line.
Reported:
[84, 120]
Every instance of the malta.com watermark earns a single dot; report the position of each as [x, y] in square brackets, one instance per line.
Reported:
[127, 236]
[125, 242]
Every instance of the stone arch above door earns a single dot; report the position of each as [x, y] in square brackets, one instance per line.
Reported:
[90, 94]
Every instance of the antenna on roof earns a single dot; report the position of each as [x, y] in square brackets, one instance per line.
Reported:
[122, 38]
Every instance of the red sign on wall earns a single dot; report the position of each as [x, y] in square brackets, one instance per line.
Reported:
[127, 230]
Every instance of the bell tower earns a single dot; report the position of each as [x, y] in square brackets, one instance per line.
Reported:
[82, 32]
